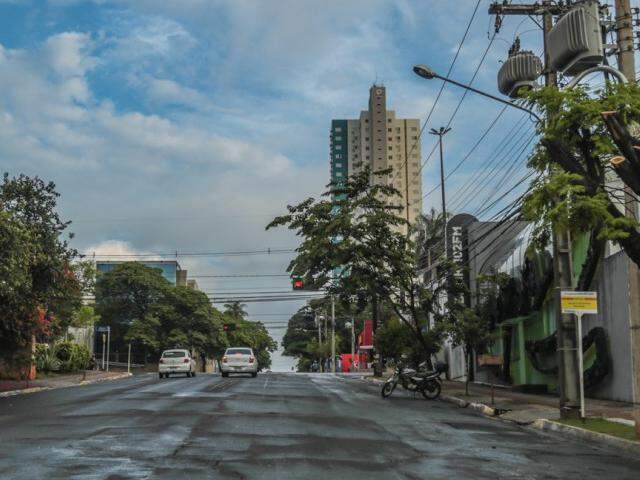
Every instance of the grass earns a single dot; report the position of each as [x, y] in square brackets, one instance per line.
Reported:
[603, 426]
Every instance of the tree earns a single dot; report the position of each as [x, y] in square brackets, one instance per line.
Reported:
[353, 243]
[574, 191]
[130, 295]
[38, 288]
[235, 310]
[473, 333]
[85, 316]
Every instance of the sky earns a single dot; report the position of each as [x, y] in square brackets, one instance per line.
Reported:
[187, 125]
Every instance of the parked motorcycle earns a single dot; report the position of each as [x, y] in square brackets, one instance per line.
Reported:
[426, 382]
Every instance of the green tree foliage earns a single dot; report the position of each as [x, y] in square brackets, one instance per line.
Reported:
[574, 191]
[85, 316]
[393, 340]
[235, 310]
[128, 297]
[141, 306]
[39, 289]
[353, 243]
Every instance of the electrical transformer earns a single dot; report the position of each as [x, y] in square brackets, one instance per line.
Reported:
[521, 69]
[575, 41]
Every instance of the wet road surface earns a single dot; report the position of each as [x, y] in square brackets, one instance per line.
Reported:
[275, 426]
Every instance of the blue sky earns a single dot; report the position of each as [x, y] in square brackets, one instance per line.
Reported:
[188, 124]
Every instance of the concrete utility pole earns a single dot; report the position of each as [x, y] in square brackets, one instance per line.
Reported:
[627, 65]
[568, 378]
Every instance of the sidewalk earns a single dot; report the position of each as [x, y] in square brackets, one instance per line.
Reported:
[525, 408]
[15, 387]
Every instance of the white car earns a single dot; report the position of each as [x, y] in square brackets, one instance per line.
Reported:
[239, 360]
[176, 361]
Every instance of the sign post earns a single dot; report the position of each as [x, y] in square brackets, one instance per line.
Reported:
[106, 339]
[579, 303]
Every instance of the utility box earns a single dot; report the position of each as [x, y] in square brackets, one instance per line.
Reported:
[521, 69]
[575, 41]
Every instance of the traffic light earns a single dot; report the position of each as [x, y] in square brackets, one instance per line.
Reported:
[297, 283]
[229, 327]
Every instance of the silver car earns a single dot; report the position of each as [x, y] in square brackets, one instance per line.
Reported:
[239, 360]
[176, 361]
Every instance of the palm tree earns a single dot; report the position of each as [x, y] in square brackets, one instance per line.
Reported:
[429, 238]
[235, 310]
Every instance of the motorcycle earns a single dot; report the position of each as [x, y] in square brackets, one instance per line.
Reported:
[428, 383]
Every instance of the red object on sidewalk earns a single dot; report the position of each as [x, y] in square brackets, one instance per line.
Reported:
[348, 361]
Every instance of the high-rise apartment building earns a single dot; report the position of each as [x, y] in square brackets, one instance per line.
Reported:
[380, 140]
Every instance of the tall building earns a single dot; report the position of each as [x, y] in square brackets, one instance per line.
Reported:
[380, 140]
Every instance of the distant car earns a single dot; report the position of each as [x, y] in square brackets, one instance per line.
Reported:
[239, 360]
[176, 361]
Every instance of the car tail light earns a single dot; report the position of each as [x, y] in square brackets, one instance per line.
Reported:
[161, 361]
[186, 360]
[224, 359]
[251, 359]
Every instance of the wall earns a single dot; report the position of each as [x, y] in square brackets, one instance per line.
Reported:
[613, 294]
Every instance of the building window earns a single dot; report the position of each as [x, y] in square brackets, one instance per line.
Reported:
[366, 139]
[338, 165]
[390, 139]
[367, 147]
[390, 157]
[367, 157]
[337, 155]
[338, 139]
[338, 147]
[414, 129]
[389, 129]
[398, 129]
[390, 147]
[338, 174]
[415, 137]
[337, 129]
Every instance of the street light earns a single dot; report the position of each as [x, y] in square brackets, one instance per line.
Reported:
[428, 74]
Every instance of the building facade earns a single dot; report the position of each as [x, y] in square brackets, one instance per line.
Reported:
[379, 140]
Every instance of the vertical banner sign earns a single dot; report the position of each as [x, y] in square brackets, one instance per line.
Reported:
[579, 303]
[457, 248]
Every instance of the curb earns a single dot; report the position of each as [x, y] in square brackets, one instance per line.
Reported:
[25, 391]
[478, 407]
[582, 434]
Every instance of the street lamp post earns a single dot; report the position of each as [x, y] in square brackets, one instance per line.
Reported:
[441, 132]
[426, 72]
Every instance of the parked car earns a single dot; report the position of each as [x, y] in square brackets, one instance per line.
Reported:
[176, 361]
[239, 360]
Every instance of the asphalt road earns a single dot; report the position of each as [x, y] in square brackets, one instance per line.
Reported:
[275, 426]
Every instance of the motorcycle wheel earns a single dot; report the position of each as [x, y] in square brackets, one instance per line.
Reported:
[431, 391]
[388, 388]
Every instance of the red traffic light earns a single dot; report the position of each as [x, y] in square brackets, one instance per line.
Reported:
[229, 327]
[298, 284]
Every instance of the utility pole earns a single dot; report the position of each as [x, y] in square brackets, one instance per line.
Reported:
[568, 378]
[333, 333]
[626, 64]
[353, 338]
[441, 132]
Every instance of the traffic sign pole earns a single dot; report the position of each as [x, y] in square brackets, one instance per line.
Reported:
[580, 365]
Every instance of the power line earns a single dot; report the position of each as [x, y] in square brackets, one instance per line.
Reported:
[433, 106]
[455, 112]
[267, 251]
[248, 275]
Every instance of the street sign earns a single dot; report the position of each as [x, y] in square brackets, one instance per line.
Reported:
[579, 303]
[103, 329]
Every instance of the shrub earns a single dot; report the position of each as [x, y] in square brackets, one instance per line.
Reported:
[46, 359]
[72, 357]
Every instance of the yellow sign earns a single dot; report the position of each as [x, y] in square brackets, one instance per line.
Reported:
[579, 302]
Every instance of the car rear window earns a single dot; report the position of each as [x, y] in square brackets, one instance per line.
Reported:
[174, 354]
[235, 351]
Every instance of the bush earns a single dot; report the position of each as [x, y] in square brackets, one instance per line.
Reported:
[72, 357]
[46, 360]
